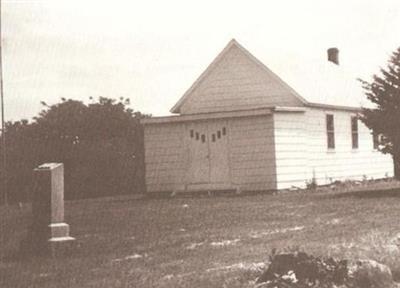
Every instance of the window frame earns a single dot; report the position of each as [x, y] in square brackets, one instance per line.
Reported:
[330, 131]
[355, 143]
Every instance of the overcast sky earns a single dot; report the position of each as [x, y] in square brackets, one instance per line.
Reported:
[152, 51]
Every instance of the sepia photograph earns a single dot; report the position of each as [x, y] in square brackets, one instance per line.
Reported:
[200, 144]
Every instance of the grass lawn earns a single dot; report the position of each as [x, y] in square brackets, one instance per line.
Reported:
[218, 241]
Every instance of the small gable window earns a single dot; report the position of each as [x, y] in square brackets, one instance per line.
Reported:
[330, 131]
[354, 132]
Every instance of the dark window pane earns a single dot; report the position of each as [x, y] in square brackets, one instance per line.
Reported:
[331, 140]
[354, 132]
[354, 124]
[197, 136]
[354, 140]
[203, 138]
[330, 131]
[223, 131]
[329, 122]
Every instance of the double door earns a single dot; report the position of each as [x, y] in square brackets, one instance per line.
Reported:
[208, 152]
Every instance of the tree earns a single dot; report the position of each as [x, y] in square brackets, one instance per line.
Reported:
[100, 144]
[20, 151]
[384, 118]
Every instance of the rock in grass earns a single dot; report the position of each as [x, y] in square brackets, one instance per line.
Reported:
[301, 270]
[370, 274]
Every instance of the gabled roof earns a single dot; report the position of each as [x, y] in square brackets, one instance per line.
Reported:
[261, 75]
[318, 83]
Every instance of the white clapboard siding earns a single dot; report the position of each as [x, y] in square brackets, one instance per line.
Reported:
[302, 153]
[164, 157]
[343, 162]
[251, 147]
[290, 150]
[237, 82]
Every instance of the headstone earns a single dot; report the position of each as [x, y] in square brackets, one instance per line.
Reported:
[49, 234]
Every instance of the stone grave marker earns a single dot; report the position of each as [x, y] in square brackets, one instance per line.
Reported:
[49, 234]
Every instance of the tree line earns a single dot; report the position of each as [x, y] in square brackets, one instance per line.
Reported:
[100, 144]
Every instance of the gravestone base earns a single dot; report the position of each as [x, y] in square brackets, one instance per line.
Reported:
[58, 230]
[53, 247]
[61, 246]
[60, 243]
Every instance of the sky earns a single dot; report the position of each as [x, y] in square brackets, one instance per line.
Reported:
[152, 51]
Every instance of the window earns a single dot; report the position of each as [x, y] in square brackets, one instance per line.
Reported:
[376, 139]
[354, 132]
[330, 131]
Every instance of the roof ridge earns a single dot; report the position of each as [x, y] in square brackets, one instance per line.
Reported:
[210, 67]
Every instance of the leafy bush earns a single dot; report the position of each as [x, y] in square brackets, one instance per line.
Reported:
[100, 144]
[311, 184]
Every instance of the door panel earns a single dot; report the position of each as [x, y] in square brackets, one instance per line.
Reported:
[208, 152]
[199, 164]
[218, 143]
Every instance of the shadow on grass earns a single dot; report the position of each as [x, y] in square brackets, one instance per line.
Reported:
[27, 253]
[377, 193]
[202, 194]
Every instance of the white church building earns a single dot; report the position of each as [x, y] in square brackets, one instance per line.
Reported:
[249, 126]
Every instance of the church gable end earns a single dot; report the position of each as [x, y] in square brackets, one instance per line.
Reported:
[236, 81]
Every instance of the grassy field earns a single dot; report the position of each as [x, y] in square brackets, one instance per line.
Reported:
[217, 241]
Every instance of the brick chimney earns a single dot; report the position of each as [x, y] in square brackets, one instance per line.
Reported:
[333, 55]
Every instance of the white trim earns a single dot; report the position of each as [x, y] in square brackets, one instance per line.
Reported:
[55, 225]
[206, 116]
[333, 107]
[61, 239]
[288, 109]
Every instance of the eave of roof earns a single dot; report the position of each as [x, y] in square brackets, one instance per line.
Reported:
[333, 107]
[221, 115]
